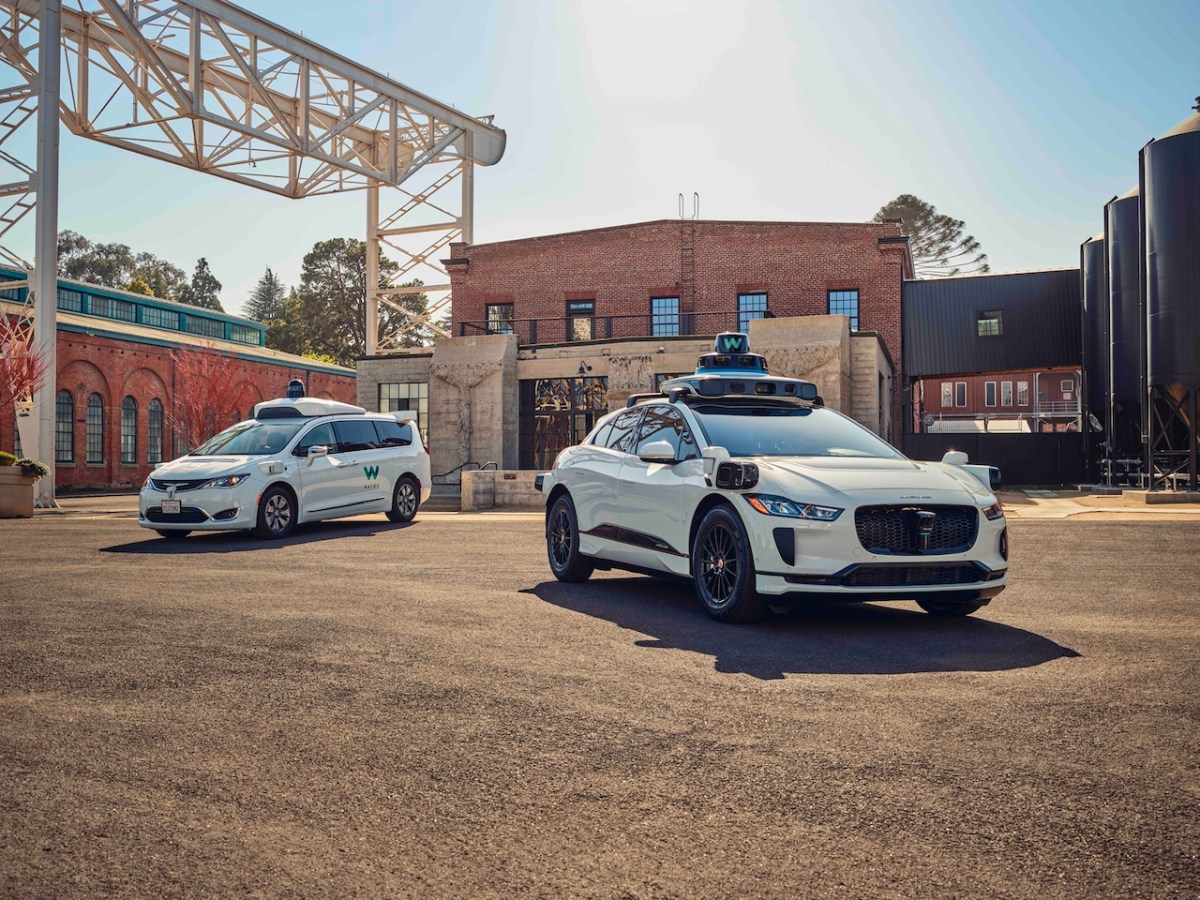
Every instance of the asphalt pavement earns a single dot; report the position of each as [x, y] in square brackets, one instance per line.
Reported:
[380, 710]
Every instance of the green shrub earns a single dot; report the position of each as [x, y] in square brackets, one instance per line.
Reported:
[7, 459]
[33, 467]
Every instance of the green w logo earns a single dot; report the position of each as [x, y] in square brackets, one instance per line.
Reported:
[372, 472]
[731, 343]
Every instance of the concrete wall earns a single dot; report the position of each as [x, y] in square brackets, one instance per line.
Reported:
[500, 490]
[377, 370]
[473, 402]
[868, 404]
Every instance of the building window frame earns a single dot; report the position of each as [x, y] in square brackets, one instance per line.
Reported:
[154, 432]
[664, 317]
[1022, 393]
[499, 318]
[1006, 393]
[947, 394]
[751, 305]
[844, 303]
[413, 396]
[989, 323]
[578, 312]
[989, 393]
[64, 428]
[94, 448]
[129, 414]
[960, 394]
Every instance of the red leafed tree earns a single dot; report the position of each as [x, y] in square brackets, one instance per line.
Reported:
[22, 361]
[209, 396]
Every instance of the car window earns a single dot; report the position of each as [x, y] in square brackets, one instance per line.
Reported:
[664, 423]
[746, 430]
[602, 433]
[321, 435]
[624, 430]
[249, 439]
[353, 436]
[393, 434]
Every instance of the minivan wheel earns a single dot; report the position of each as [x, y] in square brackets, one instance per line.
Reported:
[723, 568]
[405, 500]
[562, 542]
[276, 514]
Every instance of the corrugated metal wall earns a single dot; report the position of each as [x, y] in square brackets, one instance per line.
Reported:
[1042, 323]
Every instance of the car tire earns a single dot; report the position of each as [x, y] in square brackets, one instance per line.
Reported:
[562, 542]
[949, 608]
[405, 500]
[276, 514]
[172, 535]
[723, 568]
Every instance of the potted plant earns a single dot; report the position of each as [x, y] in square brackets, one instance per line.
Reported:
[16, 486]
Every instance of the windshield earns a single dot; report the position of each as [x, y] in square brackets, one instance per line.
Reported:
[249, 439]
[788, 431]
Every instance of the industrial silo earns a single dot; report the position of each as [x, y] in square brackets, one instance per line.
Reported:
[1170, 190]
[1127, 366]
[1095, 349]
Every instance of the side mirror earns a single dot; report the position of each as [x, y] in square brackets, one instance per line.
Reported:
[955, 458]
[712, 457]
[657, 452]
[316, 451]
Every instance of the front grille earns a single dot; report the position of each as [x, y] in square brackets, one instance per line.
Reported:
[893, 529]
[912, 576]
[188, 515]
[162, 484]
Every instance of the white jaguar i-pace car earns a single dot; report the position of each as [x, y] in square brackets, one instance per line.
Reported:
[746, 484]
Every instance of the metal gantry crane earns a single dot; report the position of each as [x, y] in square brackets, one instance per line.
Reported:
[210, 86]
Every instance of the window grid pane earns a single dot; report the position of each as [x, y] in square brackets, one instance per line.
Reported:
[112, 309]
[128, 432]
[244, 334]
[204, 326]
[750, 307]
[17, 437]
[154, 432]
[664, 316]
[160, 318]
[407, 395]
[95, 429]
[64, 428]
[69, 300]
[845, 303]
[499, 318]
[989, 323]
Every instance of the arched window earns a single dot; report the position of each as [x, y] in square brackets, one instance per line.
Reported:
[17, 436]
[64, 428]
[95, 429]
[154, 432]
[129, 432]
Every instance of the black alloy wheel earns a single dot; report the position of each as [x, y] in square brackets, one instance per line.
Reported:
[723, 568]
[562, 542]
[405, 500]
[276, 514]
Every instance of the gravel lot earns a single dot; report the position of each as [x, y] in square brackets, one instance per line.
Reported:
[368, 709]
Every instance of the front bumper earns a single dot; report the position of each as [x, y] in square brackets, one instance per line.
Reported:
[212, 509]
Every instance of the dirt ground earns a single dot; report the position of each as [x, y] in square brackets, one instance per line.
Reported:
[374, 710]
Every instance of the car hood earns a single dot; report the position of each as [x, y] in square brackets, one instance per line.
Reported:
[192, 467]
[903, 479]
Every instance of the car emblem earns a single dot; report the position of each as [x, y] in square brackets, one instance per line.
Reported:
[924, 528]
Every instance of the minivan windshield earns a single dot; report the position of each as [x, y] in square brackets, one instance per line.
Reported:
[761, 430]
[249, 439]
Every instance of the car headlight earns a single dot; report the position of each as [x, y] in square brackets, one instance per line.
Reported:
[993, 512]
[227, 481]
[773, 505]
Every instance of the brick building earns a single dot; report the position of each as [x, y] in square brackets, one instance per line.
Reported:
[116, 381]
[1026, 401]
[551, 332]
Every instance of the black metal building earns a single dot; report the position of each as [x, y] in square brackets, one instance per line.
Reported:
[992, 323]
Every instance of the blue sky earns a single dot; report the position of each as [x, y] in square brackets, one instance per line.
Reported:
[1022, 118]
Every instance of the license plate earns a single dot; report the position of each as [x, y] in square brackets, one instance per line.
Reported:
[170, 507]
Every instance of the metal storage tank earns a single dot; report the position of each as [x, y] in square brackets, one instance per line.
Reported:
[1170, 180]
[1127, 366]
[1095, 325]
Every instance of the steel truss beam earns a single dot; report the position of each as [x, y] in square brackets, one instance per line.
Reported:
[212, 87]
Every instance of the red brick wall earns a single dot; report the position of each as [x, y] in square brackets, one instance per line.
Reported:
[1048, 383]
[795, 263]
[115, 369]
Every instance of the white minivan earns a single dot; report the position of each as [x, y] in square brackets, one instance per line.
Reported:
[296, 461]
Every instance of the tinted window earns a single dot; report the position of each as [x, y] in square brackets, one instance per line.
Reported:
[602, 433]
[393, 434]
[788, 431]
[356, 435]
[624, 430]
[322, 435]
[662, 423]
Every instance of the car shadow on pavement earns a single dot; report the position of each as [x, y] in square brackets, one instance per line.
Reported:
[825, 638]
[244, 541]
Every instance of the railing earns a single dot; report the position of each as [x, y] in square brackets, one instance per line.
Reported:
[1056, 408]
[454, 476]
[564, 329]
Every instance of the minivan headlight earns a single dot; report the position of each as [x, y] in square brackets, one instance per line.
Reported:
[994, 512]
[773, 505]
[227, 481]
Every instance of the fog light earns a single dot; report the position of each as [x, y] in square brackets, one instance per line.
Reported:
[226, 514]
[1004, 544]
